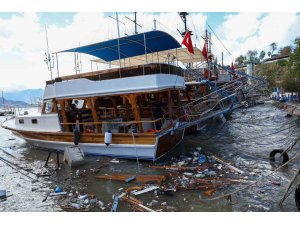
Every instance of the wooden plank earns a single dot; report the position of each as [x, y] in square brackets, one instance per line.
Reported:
[139, 178]
[147, 138]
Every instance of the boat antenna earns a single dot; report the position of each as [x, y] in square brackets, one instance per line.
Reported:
[154, 24]
[183, 18]
[135, 23]
[50, 64]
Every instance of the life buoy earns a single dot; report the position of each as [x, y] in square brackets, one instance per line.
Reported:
[285, 156]
[297, 197]
[76, 136]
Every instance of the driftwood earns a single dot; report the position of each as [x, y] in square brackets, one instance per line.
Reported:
[194, 187]
[228, 165]
[180, 168]
[136, 204]
[139, 178]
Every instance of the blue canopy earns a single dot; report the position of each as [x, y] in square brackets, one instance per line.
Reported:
[130, 46]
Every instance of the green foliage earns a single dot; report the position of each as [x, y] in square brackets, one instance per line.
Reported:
[287, 50]
[262, 55]
[239, 61]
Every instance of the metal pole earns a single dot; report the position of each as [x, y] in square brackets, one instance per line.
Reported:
[49, 58]
[154, 21]
[75, 62]
[135, 23]
[145, 45]
[117, 18]
[57, 65]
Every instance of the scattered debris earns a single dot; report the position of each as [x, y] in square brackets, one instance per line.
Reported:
[148, 189]
[56, 194]
[139, 178]
[2, 194]
[130, 179]
[115, 203]
[228, 165]
[114, 161]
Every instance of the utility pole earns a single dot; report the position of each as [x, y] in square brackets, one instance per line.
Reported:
[135, 23]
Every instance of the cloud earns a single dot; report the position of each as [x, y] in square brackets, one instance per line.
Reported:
[249, 31]
[23, 42]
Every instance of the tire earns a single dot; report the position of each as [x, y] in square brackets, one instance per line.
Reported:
[76, 136]
[285, 156]
[297, 197]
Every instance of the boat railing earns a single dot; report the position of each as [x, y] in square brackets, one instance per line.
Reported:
[119, 126]
[124, 72]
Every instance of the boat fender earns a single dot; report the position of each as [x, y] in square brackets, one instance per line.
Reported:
[107, 137]
[297, 197]
[76, 136]
[285, 156]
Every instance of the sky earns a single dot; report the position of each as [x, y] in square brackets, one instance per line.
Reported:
[23, 40]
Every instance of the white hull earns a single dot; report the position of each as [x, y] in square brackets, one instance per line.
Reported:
[146, 152]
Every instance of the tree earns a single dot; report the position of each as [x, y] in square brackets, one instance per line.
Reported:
[287, 50]
[291, 81]
[269, 54]
[239, 61]
[273, 47]
[262, 55]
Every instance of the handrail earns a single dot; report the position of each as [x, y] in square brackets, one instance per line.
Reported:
[112, 122]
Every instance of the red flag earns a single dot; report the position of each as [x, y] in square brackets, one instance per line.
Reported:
[232, 68]
[187, 41]
[204, 51]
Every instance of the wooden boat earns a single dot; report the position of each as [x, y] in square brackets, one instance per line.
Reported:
[125, 112]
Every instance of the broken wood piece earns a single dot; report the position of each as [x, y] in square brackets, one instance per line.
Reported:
[133, 188]
[56, 194]
[139, 178]
[209, 192]
[180, 168]
[131, 200]
[136, 204]
[228, 165]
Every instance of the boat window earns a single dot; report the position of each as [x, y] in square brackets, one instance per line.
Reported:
[21, 121]
[48, 108]
[78, 102]
[34, 121]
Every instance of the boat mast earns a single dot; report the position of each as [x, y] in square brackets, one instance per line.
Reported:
[135, 23]
[48, 57]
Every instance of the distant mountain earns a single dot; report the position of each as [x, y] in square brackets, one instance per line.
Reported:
[11, 102]
[30, 96]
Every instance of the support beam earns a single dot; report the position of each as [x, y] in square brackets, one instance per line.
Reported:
[132, 98]
[64, 115]
[92, 105]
